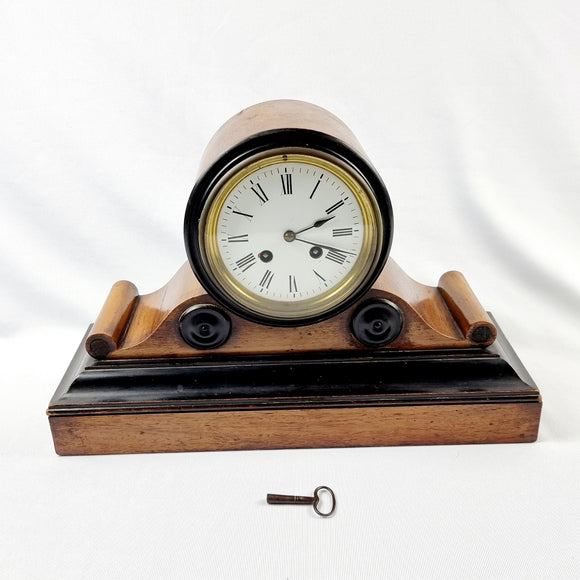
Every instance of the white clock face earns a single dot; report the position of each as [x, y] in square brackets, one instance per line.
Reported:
[291, 235]
[290, 231]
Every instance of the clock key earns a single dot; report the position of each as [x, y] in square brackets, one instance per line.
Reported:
[314, 500]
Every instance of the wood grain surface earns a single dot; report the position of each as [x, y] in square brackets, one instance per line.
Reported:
[433, 317]
[477, 395]
[275, 115]
[113, 319]
[296, 428]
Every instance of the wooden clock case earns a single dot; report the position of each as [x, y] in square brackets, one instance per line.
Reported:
[448, 377]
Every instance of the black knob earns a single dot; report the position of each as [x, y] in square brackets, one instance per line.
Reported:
[377, 322]
[204, 326]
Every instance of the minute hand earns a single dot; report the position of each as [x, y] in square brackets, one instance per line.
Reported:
[325, 247]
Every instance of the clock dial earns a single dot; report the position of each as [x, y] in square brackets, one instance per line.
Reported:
[290, 231]
[290, 236]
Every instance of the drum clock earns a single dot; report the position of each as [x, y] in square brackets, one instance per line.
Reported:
[290, 325]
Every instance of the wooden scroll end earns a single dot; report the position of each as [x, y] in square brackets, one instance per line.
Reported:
[466, 309]
[112, 320]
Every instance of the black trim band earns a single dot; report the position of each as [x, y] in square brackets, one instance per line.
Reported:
[262, 143]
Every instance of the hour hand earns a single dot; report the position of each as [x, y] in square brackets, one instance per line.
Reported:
[315, 225]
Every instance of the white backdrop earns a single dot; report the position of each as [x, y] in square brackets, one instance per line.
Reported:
[470, 112]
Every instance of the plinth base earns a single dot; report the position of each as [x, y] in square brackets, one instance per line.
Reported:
[469, 395]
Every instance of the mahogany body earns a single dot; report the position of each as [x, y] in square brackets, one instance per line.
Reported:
[134, 326]
[145, 390]
[284, 114]
[136, 386]
[420, 397]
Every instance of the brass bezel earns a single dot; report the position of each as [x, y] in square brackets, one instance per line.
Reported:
[308, 308]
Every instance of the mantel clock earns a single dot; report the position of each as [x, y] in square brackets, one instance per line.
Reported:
[290, 325]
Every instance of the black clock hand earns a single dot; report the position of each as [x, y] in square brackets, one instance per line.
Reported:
[316, 225]
[325, 247]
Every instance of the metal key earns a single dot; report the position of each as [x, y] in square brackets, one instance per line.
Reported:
[273, 498]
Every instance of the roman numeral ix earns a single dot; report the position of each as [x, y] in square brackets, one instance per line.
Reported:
[240, 238]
